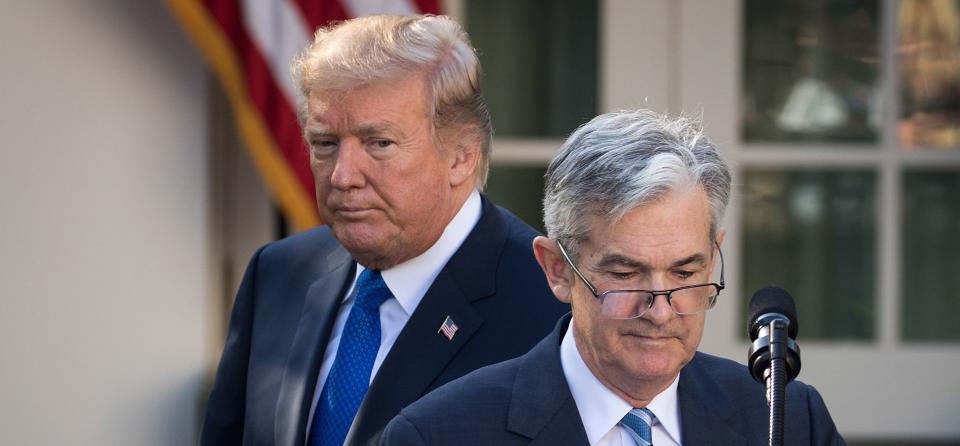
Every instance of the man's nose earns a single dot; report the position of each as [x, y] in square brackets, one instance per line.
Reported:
[349, 166]
[661, 311]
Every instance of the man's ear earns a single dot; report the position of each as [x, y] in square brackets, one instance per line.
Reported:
[721, 234]
[465, 157]
[559, 277]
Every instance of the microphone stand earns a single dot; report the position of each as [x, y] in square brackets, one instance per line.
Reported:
[774, 357]
[775, 379]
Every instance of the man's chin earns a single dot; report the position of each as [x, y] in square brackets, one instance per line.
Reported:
[358, 238]
[657, 363]
[657, 370]
[367, 246]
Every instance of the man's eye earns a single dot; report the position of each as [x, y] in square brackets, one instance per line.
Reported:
[324, 146]
[619, 275]
[382, 143]
[684, 274]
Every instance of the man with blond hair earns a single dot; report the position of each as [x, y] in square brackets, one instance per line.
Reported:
[415, 280]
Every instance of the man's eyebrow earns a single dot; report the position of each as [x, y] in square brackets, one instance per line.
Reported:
[364, 130]
[621, 260]
[697, 258]
[371, 129]
[311, 133]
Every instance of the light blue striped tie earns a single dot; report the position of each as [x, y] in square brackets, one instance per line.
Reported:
[638, 422]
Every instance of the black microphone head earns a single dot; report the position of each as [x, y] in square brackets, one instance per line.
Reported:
[772, 299]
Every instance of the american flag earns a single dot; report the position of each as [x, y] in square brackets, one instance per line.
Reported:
[249, 45]
[448, 328]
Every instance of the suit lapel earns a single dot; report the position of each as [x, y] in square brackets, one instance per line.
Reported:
[705, 412]
[565, 428]
[421, 353]
[320, 310]
[542, 407]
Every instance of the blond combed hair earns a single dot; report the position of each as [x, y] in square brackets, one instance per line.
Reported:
[374, 49]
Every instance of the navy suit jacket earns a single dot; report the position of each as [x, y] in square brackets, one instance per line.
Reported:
[283, 315]
[526, 401]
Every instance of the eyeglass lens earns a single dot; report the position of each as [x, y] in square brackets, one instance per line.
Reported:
[630, 304]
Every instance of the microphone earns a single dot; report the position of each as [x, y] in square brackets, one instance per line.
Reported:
[771, 311]
[774, 357]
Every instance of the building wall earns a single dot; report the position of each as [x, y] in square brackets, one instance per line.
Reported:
[106, 328]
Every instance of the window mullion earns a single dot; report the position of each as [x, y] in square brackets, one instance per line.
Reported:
[890, 175]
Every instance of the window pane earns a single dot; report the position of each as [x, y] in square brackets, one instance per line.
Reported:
[811, 70]
[931, 255]
[519, 189]
[929, 64]
[539, 61]
[813, 233]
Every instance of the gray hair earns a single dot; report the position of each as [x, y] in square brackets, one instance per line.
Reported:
[373, 49]
[623, 160]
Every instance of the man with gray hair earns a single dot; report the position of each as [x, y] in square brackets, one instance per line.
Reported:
[632, 206]
[415, 280]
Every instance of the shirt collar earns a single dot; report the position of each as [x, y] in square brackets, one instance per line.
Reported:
[410, 280]
[665, 407]
[601, 409]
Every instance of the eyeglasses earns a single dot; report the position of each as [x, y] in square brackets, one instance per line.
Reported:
[631, 304]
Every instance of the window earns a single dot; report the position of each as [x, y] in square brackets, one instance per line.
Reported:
[813, 232]
[811, 71]
[539, 59]
[832, 154]
[540, 79]
[930, 229]
[929, 71]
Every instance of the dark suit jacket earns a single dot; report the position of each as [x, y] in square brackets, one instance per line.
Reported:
[526, 401]
[492, 288]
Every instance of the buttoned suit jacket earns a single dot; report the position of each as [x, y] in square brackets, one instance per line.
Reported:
[492, 288]
[526, 401]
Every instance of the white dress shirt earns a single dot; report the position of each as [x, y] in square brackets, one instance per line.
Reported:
[408, 282]
[601, 410]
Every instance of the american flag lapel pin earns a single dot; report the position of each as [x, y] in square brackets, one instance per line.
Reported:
[448, 328]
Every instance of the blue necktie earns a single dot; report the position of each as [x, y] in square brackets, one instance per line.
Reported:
[349, 377]
[638, 422]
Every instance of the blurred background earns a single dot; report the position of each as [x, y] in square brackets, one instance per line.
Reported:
[130, 206]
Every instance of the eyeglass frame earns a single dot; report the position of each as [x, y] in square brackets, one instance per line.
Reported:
[668, 293]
